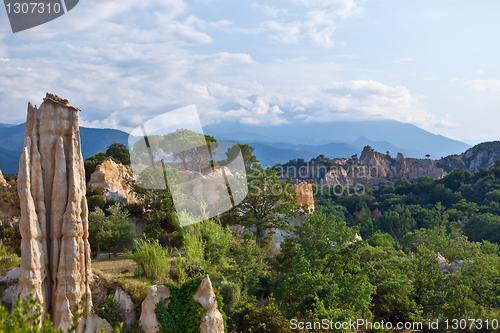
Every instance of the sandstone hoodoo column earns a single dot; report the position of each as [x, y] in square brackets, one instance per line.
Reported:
[55, 263]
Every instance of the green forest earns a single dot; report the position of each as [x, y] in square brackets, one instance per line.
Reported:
[428, 253]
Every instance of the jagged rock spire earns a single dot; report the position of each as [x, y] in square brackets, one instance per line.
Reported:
[55, 263]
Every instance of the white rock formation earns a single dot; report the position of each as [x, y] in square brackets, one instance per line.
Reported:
[11, 279]
[111, 177]
[454, 267]
[93, 324]
[126, 304]
[55, 263]
[212, 322]
[156, 293]
[3, 182]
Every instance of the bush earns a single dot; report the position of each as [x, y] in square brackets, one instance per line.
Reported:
[11, 237]
[262, 320]
[184, 313]
[152, 259]
[113, 232]
[26, 317]
[206, 243]
[231, 295]
[95, 201]
[7, 260]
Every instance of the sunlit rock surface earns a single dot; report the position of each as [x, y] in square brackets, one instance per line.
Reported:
[55, 262]
[112, 176]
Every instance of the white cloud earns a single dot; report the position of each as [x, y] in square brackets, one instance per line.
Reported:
[316, 26]
[283, 33]
[480, 71]
[268, 10]
[485, 85]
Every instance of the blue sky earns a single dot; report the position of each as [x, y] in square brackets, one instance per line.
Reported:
[432, 63]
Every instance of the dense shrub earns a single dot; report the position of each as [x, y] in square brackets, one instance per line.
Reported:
[11, 237]
[231, 296]
[152, 260]
[184, 313]
[26, 317]
[7, 260]
[267, 319]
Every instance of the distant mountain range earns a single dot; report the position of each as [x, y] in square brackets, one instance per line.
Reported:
[276, 144]
[94, 141]
[385, 135]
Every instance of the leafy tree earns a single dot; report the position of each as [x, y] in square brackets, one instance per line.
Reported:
[319, 269]
[387, 271]
[269, 204]
[148, 149]
[113, 232]
[119, 152]
[483, 227]
[189, 147]
[246, 262]
[395, 224]
[246, 153]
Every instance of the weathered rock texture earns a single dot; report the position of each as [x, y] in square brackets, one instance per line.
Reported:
[10, 278]
[204, 187]
[212, 322]
[371, 167]
[126, 304]
[454, 267]
[111, 177]
[3, 182]
[480, 156]
[305, 195]
[148, 320]
[55, 262]
[374, 167]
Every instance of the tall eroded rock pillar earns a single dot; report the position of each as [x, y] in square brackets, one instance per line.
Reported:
[55, 262]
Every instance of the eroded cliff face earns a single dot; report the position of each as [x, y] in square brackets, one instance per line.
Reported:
[305, 195]
[374, 167]
[55, 262]
[111, 177]
[483, 155]
[204, 187]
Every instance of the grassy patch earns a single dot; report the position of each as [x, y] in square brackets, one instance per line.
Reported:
[119, 267]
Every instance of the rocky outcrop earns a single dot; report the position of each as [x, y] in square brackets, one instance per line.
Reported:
[3, 182]
[373, 167]
[126, 304]
[94, 324]
[212, 322]
[10, 278]
[204, 187]
[454, 267]
[55, 264]
[156, 293]
[483, 155]
[305, 195]
[112, 176]
[384, 166]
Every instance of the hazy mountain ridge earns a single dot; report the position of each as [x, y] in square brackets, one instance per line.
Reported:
[94, 141]
[409, 139]
[274, 145]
